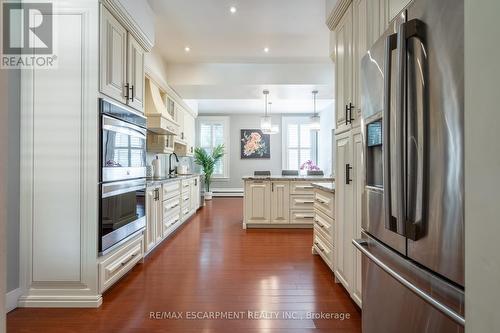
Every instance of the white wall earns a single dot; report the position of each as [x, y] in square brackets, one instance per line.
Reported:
[238, 167]
[482, 166]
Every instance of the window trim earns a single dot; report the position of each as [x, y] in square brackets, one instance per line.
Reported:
[296, 119]
[224, 120]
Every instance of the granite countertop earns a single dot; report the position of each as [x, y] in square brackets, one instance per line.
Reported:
[296, 178]
[328, 187]
[151, 181]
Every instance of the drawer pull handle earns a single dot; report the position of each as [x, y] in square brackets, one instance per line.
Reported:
[304, 216]
[304, 201]
[321, 201]
[123, 263]
[319, 247]
[186, 199]
[305, 187]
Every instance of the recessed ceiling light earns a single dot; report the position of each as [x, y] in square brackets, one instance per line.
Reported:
[232, 9]
[187, 49]
[266, 49]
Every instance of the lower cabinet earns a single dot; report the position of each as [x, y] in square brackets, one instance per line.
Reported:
[280, 196]
[285, 203]
[168, 206]
[116, 264]
[324, 224]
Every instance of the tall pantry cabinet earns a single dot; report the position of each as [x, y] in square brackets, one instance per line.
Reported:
[355, 25]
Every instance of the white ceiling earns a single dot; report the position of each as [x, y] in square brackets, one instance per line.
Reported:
[226, 68]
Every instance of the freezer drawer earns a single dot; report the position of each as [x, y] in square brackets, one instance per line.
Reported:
[418, 301]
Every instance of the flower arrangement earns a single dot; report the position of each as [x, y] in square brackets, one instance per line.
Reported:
[253, 144]
[309, 165]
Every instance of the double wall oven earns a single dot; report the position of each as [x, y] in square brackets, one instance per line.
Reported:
[122, 209]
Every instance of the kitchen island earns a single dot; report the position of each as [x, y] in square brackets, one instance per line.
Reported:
[280, 201]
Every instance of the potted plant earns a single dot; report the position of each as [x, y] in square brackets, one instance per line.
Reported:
[207, 162]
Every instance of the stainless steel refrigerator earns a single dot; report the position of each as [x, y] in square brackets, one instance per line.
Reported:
[413, 202]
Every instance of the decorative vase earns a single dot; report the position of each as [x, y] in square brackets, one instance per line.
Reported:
[208, 195]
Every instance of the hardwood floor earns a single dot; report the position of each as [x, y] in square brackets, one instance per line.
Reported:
[213, 265]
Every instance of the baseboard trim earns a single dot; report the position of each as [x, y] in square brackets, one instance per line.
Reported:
[11, 299]
[227, 192]
[60, 301]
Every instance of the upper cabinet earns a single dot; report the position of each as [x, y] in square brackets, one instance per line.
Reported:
[113, 57]
[135, 73]
[121, 63]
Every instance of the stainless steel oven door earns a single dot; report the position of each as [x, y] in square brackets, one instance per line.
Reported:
[122, 212]
[123, 148]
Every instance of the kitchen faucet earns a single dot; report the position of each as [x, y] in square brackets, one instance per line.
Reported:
[170, 169]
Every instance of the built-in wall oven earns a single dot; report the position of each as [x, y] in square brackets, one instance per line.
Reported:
[122, 174]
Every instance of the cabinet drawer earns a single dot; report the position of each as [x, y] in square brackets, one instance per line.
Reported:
[302, 201]
[186, 184]
[171, 222]
[302, 216]
[170, 205]
[171, 189]
[301, 188]
[325, 202]
[115, 265]
[324, 250]
[324, 225]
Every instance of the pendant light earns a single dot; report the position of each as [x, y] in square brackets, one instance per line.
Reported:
[265, 122]
[315, 124]
[275, 129]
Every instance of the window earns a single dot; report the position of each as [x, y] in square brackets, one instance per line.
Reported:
[299, 142]
[213, 131]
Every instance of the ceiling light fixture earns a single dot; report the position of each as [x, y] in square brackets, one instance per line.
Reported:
[266, 50]
[315, 123]
[265, 122]
[187, 49]
[275, 129]
[232, 9]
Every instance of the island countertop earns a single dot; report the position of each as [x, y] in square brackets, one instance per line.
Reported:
[292, 178]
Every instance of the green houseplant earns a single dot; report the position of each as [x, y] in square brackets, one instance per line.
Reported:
[207, 162]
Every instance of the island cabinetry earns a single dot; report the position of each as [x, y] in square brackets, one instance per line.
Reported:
[280, 202]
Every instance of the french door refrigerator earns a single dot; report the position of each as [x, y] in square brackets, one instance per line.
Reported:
[413, 201]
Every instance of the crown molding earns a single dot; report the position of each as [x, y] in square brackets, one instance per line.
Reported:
[337, 12]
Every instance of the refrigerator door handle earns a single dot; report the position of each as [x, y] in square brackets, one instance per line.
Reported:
[414, 184]
[390, 155]
[363, 246]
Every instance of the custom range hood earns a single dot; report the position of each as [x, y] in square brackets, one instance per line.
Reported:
[160, 119]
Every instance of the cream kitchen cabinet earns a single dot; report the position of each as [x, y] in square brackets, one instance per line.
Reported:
[257, 203]
[135, 73]
[324, 225]
[153, 217]
[343, 71]
[195, 194]
[280, 196]
[121, 63]
[113, 57]
[348, 210]
[343, 209]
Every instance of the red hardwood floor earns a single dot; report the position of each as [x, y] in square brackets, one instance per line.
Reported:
[212, 265]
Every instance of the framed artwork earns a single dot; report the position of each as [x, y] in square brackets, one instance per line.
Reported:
[254, 144]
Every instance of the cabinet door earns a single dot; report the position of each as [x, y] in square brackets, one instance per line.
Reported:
[343, 68]
[159, 217]
[195, 194]
[377, 20]
[151, 219]
[357, 186]
[113, 57]
[360, 33]
[343, 212]
[280, 197]
[258, 202]
[135, 74]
